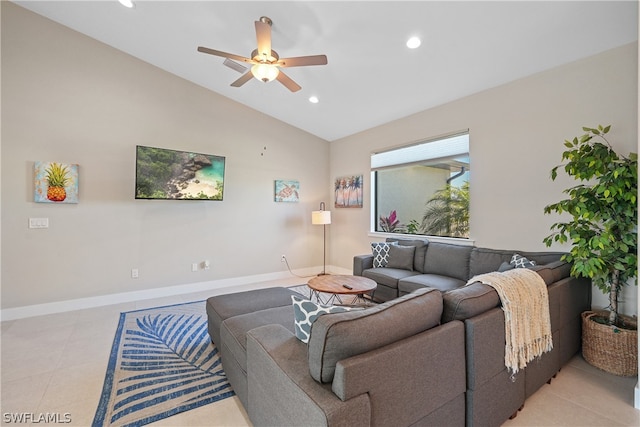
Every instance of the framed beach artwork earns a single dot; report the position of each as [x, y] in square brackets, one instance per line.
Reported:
[286, 190]
[55, 182]
[164, 174]
[348, 191]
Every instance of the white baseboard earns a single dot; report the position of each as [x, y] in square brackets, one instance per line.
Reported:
[99, 301]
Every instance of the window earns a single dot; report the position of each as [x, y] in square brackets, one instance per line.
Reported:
[423, 188]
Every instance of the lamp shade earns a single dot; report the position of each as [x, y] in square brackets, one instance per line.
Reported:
[265, 72]
[320, 217]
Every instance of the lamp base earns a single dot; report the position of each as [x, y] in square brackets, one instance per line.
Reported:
[322, 273]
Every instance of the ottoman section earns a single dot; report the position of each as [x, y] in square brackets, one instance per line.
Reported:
[222, 307]
[233, 342]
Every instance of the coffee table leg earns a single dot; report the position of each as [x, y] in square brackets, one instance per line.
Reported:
[332, 300]
[359, 299]
[329, 301]
[317, 295]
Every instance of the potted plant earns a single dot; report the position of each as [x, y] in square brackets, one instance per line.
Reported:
[602, 228]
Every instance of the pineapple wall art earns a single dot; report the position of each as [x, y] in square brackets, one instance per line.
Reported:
[55, 182]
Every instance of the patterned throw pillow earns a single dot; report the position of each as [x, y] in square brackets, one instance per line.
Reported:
[518, 261]
[306, 312]
[381, 253]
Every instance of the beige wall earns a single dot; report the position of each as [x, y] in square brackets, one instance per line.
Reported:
[69, 98]
[516, 134]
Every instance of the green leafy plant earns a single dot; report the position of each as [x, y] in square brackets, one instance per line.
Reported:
[603, 214]
[413, 227]
[447, 212]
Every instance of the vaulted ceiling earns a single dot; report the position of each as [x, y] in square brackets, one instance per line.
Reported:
[371, 77]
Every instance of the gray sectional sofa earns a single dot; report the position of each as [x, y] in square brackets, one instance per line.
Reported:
[432, 353]
[418, 263]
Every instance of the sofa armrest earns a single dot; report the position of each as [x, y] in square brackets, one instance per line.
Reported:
[361, 263]
[281, 391]
[412, 379]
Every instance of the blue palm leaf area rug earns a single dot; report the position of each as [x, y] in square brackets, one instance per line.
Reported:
[162, 362]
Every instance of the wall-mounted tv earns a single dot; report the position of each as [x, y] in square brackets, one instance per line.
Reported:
[178, 175]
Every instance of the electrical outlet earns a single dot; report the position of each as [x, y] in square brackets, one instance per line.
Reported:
[194, 266]
[283, 258]
[134, 273]
[38, 222]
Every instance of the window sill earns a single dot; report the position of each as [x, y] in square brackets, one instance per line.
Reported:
[450, 240]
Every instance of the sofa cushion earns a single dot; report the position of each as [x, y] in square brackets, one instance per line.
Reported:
[420, 252]
[342, 335]
[401, 257]
[222, 307]
[388, 276]
[233, 331]
[441, 283]
[447, 260]
[381, 253]
[505, 266]
[485, 260]
[306, 312]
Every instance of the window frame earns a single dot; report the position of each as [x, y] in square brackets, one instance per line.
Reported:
[373, 215]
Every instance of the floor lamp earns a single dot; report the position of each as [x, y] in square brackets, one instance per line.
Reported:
[323, 218]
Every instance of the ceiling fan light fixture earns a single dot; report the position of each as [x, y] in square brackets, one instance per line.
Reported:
[414, 42]
[265, 72]
[127, 3]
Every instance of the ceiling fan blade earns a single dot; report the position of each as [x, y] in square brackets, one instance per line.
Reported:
[243, 79]
[289, 84]
[224, 54]
[301, 61]
[263, 34]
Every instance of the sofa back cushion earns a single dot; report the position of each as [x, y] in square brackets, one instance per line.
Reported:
[420, 251]
[485, 260]
[447, 260]
[335, 337]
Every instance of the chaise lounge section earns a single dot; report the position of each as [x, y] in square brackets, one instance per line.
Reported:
[343, 376]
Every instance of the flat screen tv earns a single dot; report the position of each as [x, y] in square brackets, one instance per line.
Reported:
[178, 175]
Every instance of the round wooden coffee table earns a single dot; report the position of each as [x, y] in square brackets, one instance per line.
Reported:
[337, 285]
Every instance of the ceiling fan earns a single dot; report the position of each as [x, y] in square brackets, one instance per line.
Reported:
[266, 62]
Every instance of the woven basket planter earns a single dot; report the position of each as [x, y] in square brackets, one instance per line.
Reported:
[610, 348]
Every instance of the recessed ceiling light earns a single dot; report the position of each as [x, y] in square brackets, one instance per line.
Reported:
[413, 42]
[313, 99]
[126, 3]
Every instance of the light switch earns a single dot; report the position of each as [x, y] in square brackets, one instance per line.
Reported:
[38, 222]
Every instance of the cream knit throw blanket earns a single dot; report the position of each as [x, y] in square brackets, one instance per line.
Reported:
[527, 325]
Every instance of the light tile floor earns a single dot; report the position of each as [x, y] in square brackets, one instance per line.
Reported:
[56, 364]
